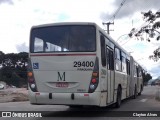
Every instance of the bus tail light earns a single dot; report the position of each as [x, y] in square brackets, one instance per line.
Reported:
[95, 74]
[95, 77]
[31, 80]
[94, 80]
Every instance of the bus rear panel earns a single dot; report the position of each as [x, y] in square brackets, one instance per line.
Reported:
[63, 65]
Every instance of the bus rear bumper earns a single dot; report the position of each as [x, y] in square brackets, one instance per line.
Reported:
[65, 98]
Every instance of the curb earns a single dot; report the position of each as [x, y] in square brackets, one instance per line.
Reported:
[158, 94]
[11, 95]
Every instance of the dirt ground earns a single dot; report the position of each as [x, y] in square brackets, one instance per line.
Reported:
[13, 95]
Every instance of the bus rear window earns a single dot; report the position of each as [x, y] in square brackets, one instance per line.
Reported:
[72, 38]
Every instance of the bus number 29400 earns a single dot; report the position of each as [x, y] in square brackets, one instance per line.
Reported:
[83, 64]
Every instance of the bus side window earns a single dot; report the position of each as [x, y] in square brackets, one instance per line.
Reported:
[117, 59]
[110, 59]
[128, 66]
[103, 54]
[140, 72]
[123, 59]
[135, 70]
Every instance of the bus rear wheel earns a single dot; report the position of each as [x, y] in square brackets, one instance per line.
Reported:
[135, 93]
[140, 90]
[119, 95]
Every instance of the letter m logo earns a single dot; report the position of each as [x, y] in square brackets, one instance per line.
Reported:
[61, 77]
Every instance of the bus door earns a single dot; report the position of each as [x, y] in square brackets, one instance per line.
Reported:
[128, 77]
[136, 76]
[110, 74]
[139, 79]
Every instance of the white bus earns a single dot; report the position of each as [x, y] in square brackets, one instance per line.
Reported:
[78, 64]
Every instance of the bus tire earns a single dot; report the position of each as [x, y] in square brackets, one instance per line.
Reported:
[119, 95]
[140, 90]
[135, 92]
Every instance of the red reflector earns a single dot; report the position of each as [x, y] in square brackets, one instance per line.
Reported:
[37, 93]
[30, 80]
[94, 80]
[86, 94]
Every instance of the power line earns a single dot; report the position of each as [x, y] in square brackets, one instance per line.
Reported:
[126, 42]
[108, 24]
[114, 15]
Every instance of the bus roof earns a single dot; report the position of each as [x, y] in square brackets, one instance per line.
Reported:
[64, 23]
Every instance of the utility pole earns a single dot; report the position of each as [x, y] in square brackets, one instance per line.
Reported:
[108, 24]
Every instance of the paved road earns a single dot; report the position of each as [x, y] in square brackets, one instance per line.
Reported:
[145, 102]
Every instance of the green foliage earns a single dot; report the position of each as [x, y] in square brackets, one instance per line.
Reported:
[151, 29]
[13, 69]
[146, 77]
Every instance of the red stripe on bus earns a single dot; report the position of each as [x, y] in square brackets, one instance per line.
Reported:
[62, 55]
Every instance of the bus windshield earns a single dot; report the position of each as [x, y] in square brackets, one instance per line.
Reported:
[64, 38]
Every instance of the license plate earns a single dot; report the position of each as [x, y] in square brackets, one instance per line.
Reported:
[62, 84]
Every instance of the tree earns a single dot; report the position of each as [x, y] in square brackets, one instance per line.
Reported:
[146, 77]
[151, 29]
[13, 68]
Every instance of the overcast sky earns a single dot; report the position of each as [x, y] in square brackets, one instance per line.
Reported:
[17, 17]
